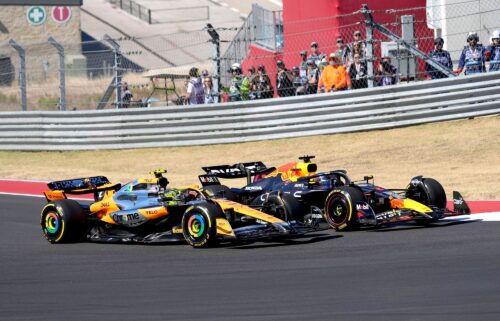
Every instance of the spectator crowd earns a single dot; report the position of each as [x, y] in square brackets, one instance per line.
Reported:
[344, 69]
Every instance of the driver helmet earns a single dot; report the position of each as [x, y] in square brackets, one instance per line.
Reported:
[321, 181]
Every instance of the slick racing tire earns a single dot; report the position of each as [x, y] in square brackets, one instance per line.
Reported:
[220, 191]
[430, 192]
[199, 224]
[340, 208]
[284, 207]
[63, 221]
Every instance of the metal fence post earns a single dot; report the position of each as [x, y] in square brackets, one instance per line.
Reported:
[22, 72]
[369, 44]
[62, 79]
[117, 69]
[275, 47]
[408, 46]
[215, 58]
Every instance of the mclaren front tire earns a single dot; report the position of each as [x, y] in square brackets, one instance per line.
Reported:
[199, 225]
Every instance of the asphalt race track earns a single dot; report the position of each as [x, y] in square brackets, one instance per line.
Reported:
[447, 272]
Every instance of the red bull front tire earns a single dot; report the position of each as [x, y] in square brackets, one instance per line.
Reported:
[340, 208]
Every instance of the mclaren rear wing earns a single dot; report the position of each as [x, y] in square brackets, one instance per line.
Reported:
[78, 186]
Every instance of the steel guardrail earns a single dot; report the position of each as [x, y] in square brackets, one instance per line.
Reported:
[357, 110]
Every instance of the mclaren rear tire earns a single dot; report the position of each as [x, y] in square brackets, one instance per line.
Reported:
[63, 221]
[340, 208]
[199, 225]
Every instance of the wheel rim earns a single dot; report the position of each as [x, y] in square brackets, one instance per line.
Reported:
[52, 223]
[196, 225]
[338, 210]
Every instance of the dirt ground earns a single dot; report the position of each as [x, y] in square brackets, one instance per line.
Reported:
[463, 155]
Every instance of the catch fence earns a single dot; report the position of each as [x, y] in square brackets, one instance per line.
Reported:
[94, 67]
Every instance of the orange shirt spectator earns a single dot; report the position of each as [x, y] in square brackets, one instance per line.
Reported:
[334, 76]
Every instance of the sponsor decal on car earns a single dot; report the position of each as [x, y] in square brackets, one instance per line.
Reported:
[253, 188]
[362, 206]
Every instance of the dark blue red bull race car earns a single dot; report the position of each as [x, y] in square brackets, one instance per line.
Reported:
[295, 192]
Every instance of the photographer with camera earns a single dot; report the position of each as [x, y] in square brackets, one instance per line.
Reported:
[262, 84]
[387, 74]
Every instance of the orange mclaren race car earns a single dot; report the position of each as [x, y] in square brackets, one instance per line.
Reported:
[147, 211]
[296, 193]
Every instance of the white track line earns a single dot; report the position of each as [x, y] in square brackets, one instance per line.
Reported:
[19, 194]
[23, 180]
[485, 217]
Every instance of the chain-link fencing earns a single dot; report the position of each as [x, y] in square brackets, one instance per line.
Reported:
[155, 68]
[90, 69]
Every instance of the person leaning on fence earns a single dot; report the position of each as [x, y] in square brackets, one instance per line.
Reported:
[387, 74]
[262, 84]
[246, 85]
[211, 96]
[357, 43]
[315, 55]
[472, 58]
[303, 60]
[303, 64]
[357, 48]
[284, 84]
[440, 56]
[195, 94]
[342, 51]
[299, 82]
[334, 76]
[358, 72]
[312, 76]
[126, 96]
[321, 66]
[236, 82]
[493, 51]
